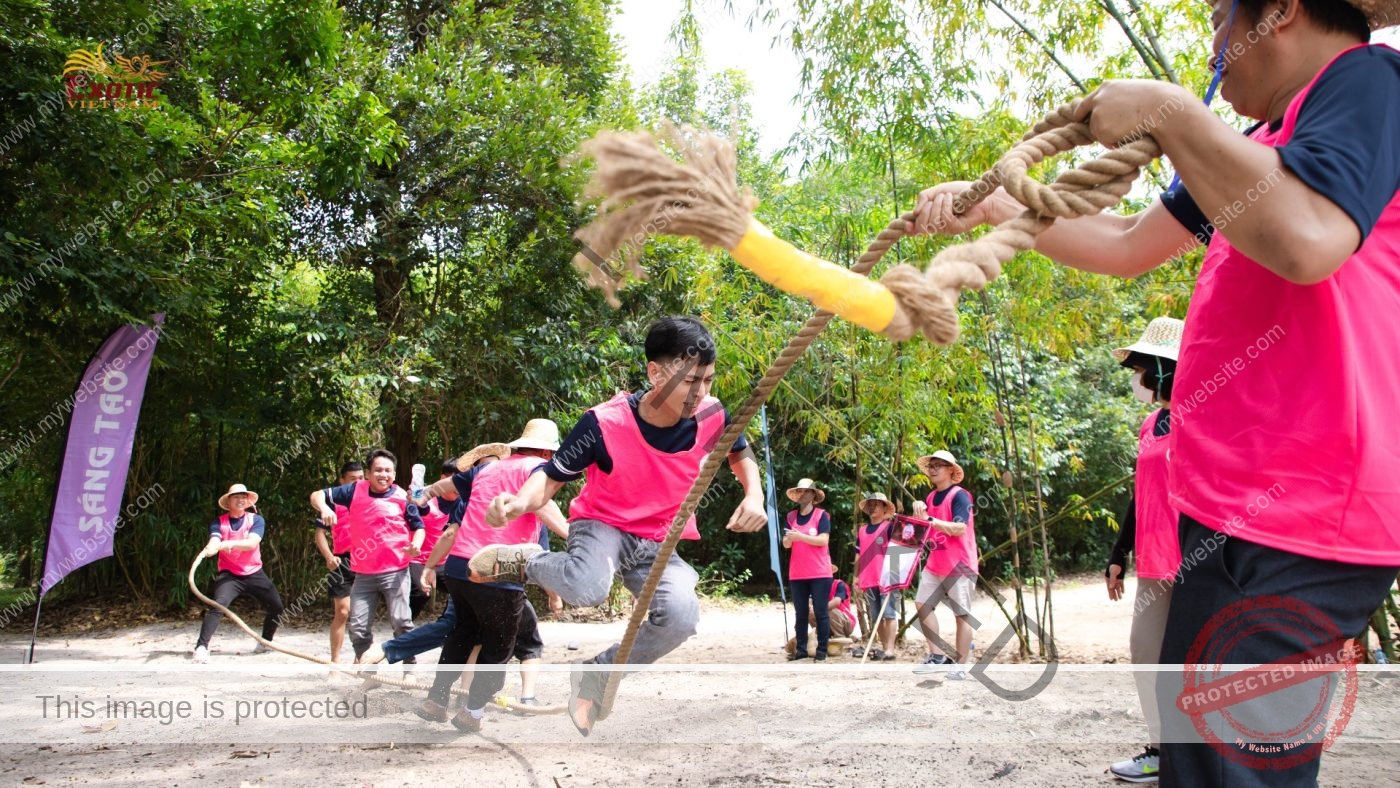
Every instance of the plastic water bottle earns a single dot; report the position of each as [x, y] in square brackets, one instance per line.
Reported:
[416, 487]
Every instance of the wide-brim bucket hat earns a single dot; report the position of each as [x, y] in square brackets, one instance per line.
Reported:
[235, 490]
[794, 493]
[925, 464]
[1161, 338]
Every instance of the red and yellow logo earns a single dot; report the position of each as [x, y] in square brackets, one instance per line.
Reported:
[123, 83]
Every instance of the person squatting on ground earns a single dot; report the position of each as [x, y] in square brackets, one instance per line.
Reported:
[950, 572]
[639, 454]
[807, 532]
[1149, 530]
[1282, 465]
[385, 531]
[881, 608]
[488, 614]
[339, 579]
[236, 538]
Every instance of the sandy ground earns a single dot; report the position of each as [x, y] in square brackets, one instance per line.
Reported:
[724, 709]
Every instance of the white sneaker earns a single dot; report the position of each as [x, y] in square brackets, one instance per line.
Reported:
[1142, 768]
[932, 663]
[957, 675]
[201, 654]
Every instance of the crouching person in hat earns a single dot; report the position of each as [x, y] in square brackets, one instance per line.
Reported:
[872, 541]
[235, 537]
[807, 534]
[950, 573]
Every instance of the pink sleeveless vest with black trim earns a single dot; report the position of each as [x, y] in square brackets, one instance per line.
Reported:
[646, 487]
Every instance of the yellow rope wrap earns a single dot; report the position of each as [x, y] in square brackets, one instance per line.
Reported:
[829, 286]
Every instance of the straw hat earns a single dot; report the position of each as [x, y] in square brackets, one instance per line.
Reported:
[1161, 338]
[926, 461]
[794, 493]
[1380, 13]
[235, 490]
[538, 434]
[498, 450]
[879, 503]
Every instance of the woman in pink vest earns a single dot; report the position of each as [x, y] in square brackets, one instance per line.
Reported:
[1282, 458]
[872, 540]
[1149, 529]
[235, 537]
[807, 533]
[638, 454]
[336, 554]
[950, 573]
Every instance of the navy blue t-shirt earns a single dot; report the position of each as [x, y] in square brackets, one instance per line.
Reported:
[584, 445]
[345, 493]
[234, 522]
[962, 504]
[823, 525]
[1345, 146]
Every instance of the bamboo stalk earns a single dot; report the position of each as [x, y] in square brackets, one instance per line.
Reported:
[1049, 616]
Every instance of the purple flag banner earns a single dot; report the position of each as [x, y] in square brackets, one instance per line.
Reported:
[87, 510]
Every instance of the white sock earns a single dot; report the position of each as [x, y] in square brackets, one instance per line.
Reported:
[477, 713]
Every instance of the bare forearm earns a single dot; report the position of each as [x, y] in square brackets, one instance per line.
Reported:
[1265, 211]
[745, 469]
[554, 519]
[323, 545]
[443, 546]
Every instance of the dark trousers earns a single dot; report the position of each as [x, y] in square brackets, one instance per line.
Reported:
[814, 592]
[488, 616]
[1218, 571]
[228, 587]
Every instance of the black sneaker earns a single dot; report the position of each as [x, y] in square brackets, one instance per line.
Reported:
[821, 655]
[502, 563]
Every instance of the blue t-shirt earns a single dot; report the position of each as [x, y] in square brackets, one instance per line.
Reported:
[962, 504]
[1345, 145]
[823, 525]
[584, 445]
[345, 493]
[234, 522]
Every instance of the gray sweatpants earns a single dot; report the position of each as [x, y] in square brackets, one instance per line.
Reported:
[583, 574]
[1150, 606]
[392, 587]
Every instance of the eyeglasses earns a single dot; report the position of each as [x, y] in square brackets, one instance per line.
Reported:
[938, 466]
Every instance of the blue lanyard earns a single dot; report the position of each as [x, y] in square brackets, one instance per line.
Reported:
[1219, 72]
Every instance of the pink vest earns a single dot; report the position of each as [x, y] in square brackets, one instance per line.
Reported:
[1284, 403]
[946, 552]
[1158, 549]
[870, 554]
[340, 532]
[379, 531]
[239, 562]
[845, 607]
[808, 562]
[434, 521]
[646, 487]
[504, 476]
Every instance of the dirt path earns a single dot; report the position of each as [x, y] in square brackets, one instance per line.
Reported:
[725, 709]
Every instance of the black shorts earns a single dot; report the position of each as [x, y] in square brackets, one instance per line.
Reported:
[528, 644]
[338, 583]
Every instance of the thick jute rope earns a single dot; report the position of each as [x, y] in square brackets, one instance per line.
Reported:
[928, 300]
[501, 702]
[740, 421]
[646, 194]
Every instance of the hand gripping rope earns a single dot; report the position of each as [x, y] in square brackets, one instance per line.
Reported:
[645, 192]
[502, 702]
